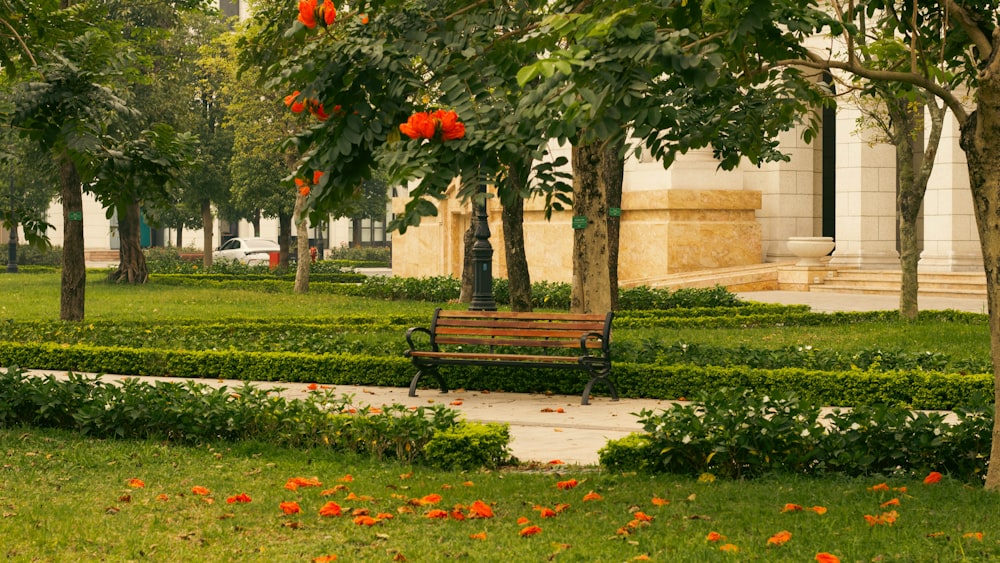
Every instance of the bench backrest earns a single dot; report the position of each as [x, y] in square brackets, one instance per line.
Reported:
[496, 328]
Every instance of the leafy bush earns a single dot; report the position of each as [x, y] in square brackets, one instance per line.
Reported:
[470, 446]
[28, 255]
[737, 433]
[192, 412]
[371, 254]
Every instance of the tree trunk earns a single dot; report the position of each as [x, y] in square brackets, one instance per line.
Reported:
[904, 126]
[208, 238]
[284, 238]
[180, 238]
[131, 262]
[302, 245]
[611, 174]
[518, 277]
[468, 271]
[981, 142]
[74, 266]
[913, 174]
[591, 291]
[356, 234]
[256, 223]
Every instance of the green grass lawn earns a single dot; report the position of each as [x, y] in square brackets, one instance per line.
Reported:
[64, 497]
[36, 297]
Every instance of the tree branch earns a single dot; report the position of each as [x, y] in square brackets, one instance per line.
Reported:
[816, 62]
[974, 32]
[20, 40]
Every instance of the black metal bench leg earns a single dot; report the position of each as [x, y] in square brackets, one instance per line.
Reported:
[597, 374]
[437, 375]
[413, 383]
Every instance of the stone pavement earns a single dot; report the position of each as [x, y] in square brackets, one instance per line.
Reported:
[557, 427]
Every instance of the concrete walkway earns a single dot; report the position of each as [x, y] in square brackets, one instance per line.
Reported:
[557, 427]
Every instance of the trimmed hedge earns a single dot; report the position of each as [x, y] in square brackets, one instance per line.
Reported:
[914, 389]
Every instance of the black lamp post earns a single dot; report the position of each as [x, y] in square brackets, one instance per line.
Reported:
[12, 245]
[482, 260]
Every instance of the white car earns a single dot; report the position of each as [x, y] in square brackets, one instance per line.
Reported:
[250, 251]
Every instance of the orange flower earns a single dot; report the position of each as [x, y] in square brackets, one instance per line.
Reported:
[567, 485]
[714, 537]
[819, 509]
[311, 386]
[304, 192]
[792, 508]
[890, 502]
[479, 536]
[419, 126]
[433, 498]
[642, 517]
[643, 557]
[200, 491]
[827, 558]
[329, 12]
[330, 509]
[307, 13]
[522, 521]
[304, 482]
[974, 535]
[556, 462]
[437, 513]
[457, 513]
[136, 483]
[346, 478]
[884, 519]
[423, 125]
[451, 127]
[592, 496]
[480, 509]
[932, 477]
[729, 547]
[468, 484]
[324, 559]
[546, 512]
[240, 498]
[290, 507]
[365, 521]
[780, 538]
[292, 101]
[879, 488]
[530, 531]
[162, 497]
[384, 516]
[364, 19]
[657, 501]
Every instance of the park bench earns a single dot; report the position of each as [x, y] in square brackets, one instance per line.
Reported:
[528, 340]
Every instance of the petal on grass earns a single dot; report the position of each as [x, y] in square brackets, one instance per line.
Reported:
[530, 531]
[781, 538]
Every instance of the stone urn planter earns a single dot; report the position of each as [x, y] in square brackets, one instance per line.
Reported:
[809, 250]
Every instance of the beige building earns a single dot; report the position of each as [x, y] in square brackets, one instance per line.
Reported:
[694, 217]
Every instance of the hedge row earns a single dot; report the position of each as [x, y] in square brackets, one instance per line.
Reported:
[914, 389]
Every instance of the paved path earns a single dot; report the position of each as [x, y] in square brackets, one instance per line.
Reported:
[550, 427]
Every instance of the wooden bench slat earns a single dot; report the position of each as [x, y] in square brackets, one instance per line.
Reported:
[522, 342]
[524, 325]
[514, 333]
[496, 357]
[512, 315]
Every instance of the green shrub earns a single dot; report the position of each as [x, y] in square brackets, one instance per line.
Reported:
[192, 412]
[469, 445]
[373, 254]
[738, 433]
[28, 255]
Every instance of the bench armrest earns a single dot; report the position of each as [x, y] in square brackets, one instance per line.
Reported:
[409, 337]
[595, 336]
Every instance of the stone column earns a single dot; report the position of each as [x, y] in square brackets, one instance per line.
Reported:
[951, 241]
[866, 199]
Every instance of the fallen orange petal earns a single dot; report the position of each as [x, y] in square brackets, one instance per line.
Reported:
[530, 531]
[780, 538]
